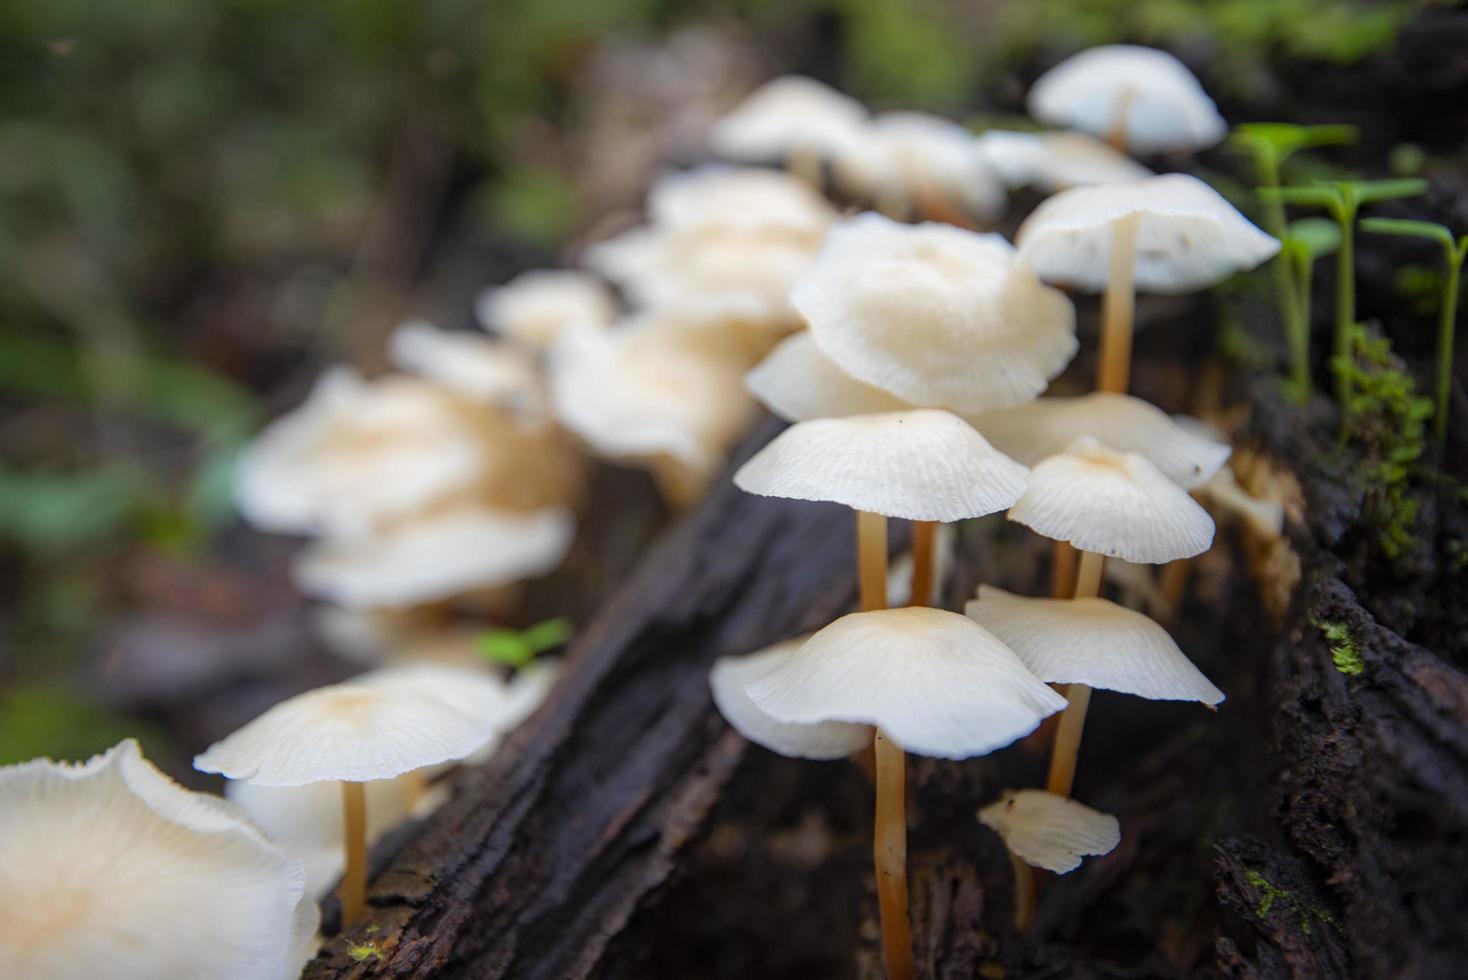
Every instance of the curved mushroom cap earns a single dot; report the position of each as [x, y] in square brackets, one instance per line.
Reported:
[914, 154]
[725, 244]
[111, 869]
[1054, 161]
[469, 364]
[436, 556]
[1048, 831]
[933, 681]
[1158, 103]
[1188, 237]
[536, 306]
[1030, 433]
[1092, 642]
[376, 726]
[923, 465]
[730, 680]
[1115, 504]
[356, 453]
[654, 387]
[786, 115]
[799, 383]
[935, 315]
[1265, 518]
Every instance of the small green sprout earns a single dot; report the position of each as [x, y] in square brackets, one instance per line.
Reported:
[1270, 145]
[1454, 251]
[517, 648]
[1342, 199]
[1306, 241]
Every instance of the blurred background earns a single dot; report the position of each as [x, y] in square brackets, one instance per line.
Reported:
[203, 204]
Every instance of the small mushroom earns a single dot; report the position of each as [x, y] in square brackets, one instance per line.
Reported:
[794, 118]
[436, 556]
[471, 365]
[936, 315]
[1264, 518]
[377, 726]
[798, 383]
[109, 868]
[1051, 162]
[1030, 433]
[918, 163]
[535, 307]
[1140, 100]
[1169, 234]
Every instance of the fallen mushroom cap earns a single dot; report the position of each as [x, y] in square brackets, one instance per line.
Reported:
[1115, 504]
[935, 315]
[375, 727]
[916, 153]
[798, 383]
[933, 681]
[790, 114]
[1092, 642]
[923, 465]
[1187, 238]
[436, 556]
[355, 453]
[730, 679]
[1053, 161]
[1032, 432]
[110, 868]
[1048, 831]
[470, 364]
[536, 306]
[1163, 107]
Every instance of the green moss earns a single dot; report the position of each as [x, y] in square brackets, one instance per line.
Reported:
[1272, 896]
[1268, 893]
[363, 952]
[1343, 650]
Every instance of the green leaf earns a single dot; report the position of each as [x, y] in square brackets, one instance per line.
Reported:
[1287, 138]
[1411, 229]
[1375, 191]
[1315, 237]
[1313, 196]
[53, 512]
[518, 648]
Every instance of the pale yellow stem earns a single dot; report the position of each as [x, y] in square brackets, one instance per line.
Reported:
[1116, 135]
[924, 562]
[354, 839]
[1114, 365]
[871, 559]
[1024, 893]
[805, 163]
[889, 854]
[1073, 719]
[1173, 584]
[1062, 570]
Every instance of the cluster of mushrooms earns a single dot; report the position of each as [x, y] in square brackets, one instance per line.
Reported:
[911, 358]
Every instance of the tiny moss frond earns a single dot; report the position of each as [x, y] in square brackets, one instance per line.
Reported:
[362, 952]
[1271, 897]
[1268, 893]
[1343, 650]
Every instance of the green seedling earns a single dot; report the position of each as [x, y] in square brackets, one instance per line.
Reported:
[1305, 242]
[1342, 199]
[1454, 251]
[1270, 145]
[517, 648]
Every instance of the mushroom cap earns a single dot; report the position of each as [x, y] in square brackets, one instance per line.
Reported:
[1265, 518]
[1115, 504]
[935, 315]
[355, 453]
[789, 114]
[1092, 642]
[798, 383]
[1048, 831]
[112, 869]
[1166, 110]
[724, 245]
[375, 726]
[654, 387]
[910, 153]
[1054, 161]
[936, 683]
[436, 556]
[536, 306]
[1187, 238]
[469, 364]
[923, 465]
[1030, 433]
[730, 680]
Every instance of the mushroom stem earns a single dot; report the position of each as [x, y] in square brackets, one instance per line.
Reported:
[1173, 584]
[1073, 718]
[924, 562]
[1062, 570]
[871, 559]
[805, 163]
[1116, 135]
[1113, 372]
[1024, 893]
[354, 838]
[889, 853]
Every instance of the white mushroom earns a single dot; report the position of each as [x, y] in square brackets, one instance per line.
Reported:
[111, 869]
[1049, 831]
[470, 365]
[794, 118]
[799, 383]
[1142, 100]
[1051, 162]
[535, 307]
[915, 161]
[936, 315]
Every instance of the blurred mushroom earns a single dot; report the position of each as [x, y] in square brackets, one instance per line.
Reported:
[109, 868]
[792, 118]
[534, 308]
[1050, 162]
[798, 383]
[916, 163]
[470, 365]
[1141, 100]
[935, 315]
[1170, 234]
